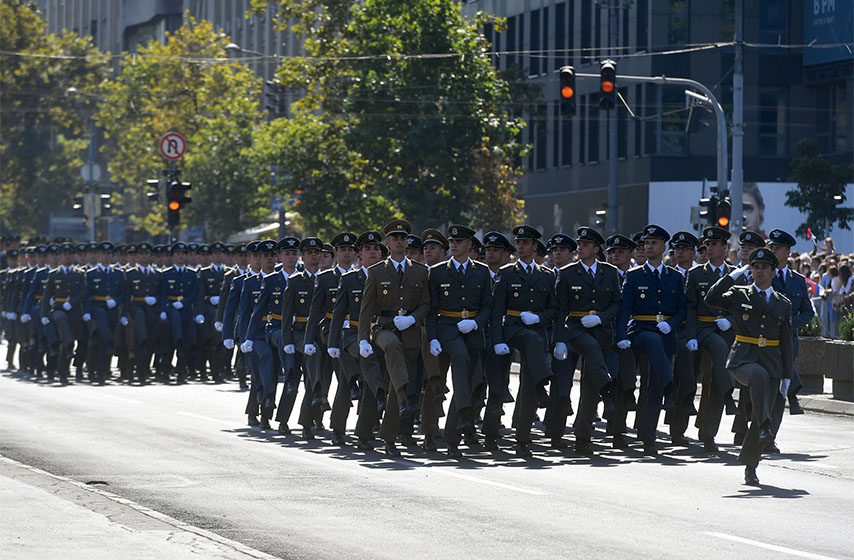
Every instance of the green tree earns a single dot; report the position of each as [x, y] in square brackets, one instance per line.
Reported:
[42, 129]
[821, 190]
[420, 103]
[187, 86]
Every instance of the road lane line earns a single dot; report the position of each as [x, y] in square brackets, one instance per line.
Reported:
[486, 481]
[774, 547]
[209, 419]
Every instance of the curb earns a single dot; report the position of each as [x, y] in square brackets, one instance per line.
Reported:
[826, 405]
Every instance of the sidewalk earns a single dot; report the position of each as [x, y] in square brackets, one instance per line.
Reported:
[48, 516]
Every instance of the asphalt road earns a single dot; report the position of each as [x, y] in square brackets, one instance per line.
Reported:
[186, 451]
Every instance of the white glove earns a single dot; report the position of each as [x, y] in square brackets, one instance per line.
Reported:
[214, 300]
[66, 306]
[403, 322]
[739, 271]
[12, 316]
[784, 387]
[560, 350]
[529, 318]
[692, 345]
[346, 324]
[309, 349]
[290, 349]
[334, 353]
[723, 324]
[623, 344]
[466, 326]
[45, 321]
[501, 349]
[178, 305]
[435, 347]
[590, 321]
[365, 349]
[25, 318]
[123, 321]
[150, 300]
[228, 343]
[664, 327]
[218, 326]
[111, 303]
[87, 317]
[163, 316]
[200, 319]
[246, 347]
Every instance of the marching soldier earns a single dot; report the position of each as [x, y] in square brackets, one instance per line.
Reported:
[762, 355]
[142, 290]
[210, 279]
[101, 312]
[177, 294]
[241, 258]
[62, 308]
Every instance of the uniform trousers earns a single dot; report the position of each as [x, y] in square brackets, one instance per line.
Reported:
[717, 385]
[763, 390]
[621, 364]
[652, 346]
[594, 377]
[534, 373]
[399, 363]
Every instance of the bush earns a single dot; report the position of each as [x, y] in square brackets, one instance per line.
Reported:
[846, 328]
[813, 328]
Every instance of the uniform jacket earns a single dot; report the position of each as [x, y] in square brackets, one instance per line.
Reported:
[33, 296]
[178, 285]
[249, 296]
[322, 302]
[515, 291]
[232, 303]
[68, 285]
[700, 279]
[577, 292]
[296, 305]
[228, 276]
[798, 294]
[348, 303]
[645, 295]
[209, 284]
[104, 282]
[139, 285]
[266, 312]
[471, 292]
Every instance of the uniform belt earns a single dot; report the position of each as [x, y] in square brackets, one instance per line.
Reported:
[514, 313]
[176, 298]
[299, 319]
[707, 318]
[657, 318]
[354, 323]
[761, 342]
[400, 311]
[464, 314]
[208, 298]
[60, 299]
[101, 298]
[139, 298]
[329, 315]
[38, 298]
[274, 317]
[583, 313]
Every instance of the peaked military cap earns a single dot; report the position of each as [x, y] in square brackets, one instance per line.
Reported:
[311, 243]
[459, 232]
[541, 248]
[587, 233]
[684, 238]
[397, 226]
[288, 243]
[53, 248]
[143, 246]
[91, 246]
[780, 237]
[751, 238]
[13, 237]
[178, 247]
[327, 248]
[653, 231]
[715, 233]
[192, 247]
[230, 249]
[413, 241]
[384, 250]
[526, 232]
[250, 247]
[12, 253]
[619, 241]
[496, 239]
[369, 238]
[157, 250]
[434, 236]
[241, 249]
[763, 255]
[477, 245]
[344, 239]
[218, 247]
[266, 246]
[561, 240]
[204, 249]
[67, 248]
[637, 237]
[41, 250]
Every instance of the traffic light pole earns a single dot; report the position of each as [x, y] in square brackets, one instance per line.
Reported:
[172, 238]
[737, 191]
[613, 185]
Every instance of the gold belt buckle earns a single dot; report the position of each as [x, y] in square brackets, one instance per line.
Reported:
[659, 318]
[401, 311]
[593, 312]
[762, 343]
[465, 314]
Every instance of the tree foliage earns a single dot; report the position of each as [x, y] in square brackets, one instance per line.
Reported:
[819, 182]
[42, 129]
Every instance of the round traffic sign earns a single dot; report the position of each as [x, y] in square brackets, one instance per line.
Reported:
[173, 145]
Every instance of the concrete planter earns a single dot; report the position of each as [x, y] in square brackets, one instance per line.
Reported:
[839, 366]
[811, 363]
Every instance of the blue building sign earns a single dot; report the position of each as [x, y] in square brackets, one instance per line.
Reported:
[828, 22]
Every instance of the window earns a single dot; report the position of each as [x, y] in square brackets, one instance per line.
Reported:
[535, 43]
[831, 117]
[586, 39]
[544, 43]
[556, 130]
[671, 121]
[728, 20]
[520, 40]
[652, 105]
[677, 23]
[624, 21]
[582, 128]
[541, 142]
[570, 32]
[641, 25]
[566, 138]
[593, 129]
[622, 127]
[597, 29]
[772, 122]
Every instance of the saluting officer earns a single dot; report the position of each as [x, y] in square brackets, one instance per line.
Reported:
[653, 308]
[396, 301]
[524, 305]
[588, 297]
[761, 357]
[460, 308]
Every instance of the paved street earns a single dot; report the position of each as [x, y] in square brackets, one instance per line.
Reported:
[186, 453]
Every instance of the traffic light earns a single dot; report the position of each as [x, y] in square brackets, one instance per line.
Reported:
[176, 199]
[709, 209]
[153, 196]
[724, 210]
[275, 95]
[106, 203]
[608, 85]
[567, 91]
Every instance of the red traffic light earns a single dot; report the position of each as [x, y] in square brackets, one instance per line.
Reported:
[567, 92]
[607, 87]
[174, 205]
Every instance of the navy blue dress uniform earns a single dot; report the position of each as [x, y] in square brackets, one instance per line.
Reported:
[793, 285]
[234, 272]
[588, 300]
[142, 293]
[31, 307]
[395, 291]
[460, 309]
[209, 343]
[522, 289]
[762, 354]
[101, 310]
[653, 297]
[704, 328]
[62, 309]
[295, 309]
[250, 290]
[177, 295]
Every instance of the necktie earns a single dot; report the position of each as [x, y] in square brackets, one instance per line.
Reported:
[592, 275]
[530, 269]
[780, 276]
[400, 272]
[655, 271]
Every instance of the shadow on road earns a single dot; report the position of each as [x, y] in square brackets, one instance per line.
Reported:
[767, 491]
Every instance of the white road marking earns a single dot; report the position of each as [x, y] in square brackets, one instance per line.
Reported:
[774, 547]
[209, 419]
[487, 482]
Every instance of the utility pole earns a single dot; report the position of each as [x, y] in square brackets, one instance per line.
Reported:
[613, 187]
[736, 192]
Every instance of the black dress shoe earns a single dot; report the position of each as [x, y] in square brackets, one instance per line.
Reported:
[338, 438]
[795, 406]
[364, 445]
[619, 442]
[710, 445]
[650, 450]
[265, 424]
[454, 452]
[522, 450]
[750, 477]
[355, 393]
[429, 443]
[306, 434]
[471, 440]
[407, 411]
[609, 410]
[253, 420]
[771, 448]
[738, 438]
[490, 444]
[583, 447]
[283, 429]
[381, 401]
[464, 422]
[731, 407]
[542, 397]
[316, 400]
[391, 449]
[679, 440]
[765, 436]
[407, 440]
[558, 443]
